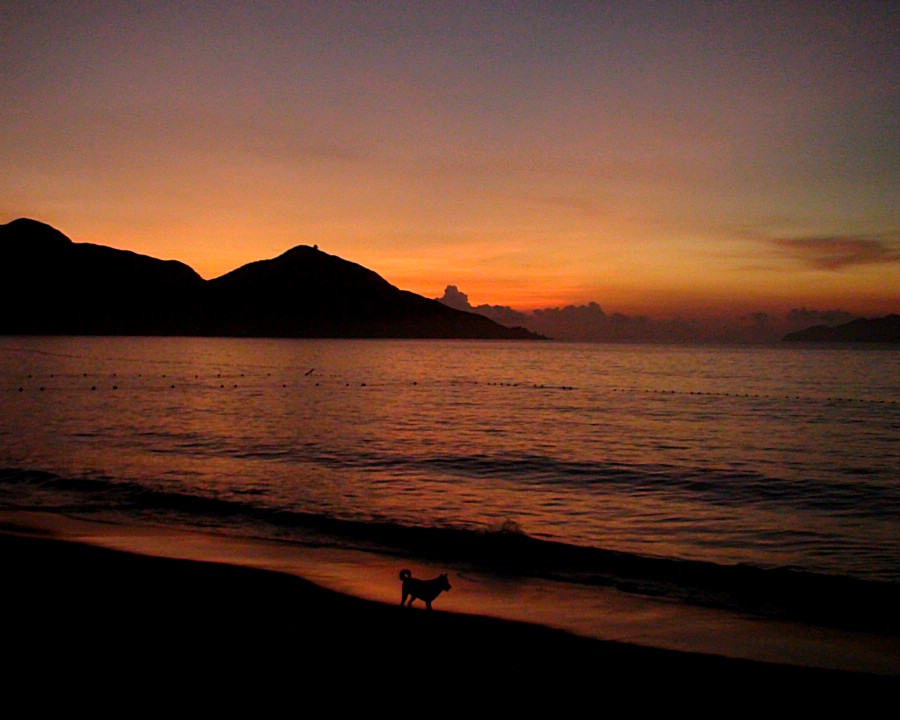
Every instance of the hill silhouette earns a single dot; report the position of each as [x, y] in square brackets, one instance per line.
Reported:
[50, 285]
[881, 330]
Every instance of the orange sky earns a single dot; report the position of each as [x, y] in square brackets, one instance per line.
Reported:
[666, 159]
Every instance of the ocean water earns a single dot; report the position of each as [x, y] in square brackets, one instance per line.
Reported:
[765, 479]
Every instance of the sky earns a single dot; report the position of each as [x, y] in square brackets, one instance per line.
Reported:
[666, 160]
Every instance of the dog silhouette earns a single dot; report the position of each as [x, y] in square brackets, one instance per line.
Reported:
[426, 590]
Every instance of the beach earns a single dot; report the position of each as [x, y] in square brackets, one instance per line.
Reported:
[610, 517]
[69, 596]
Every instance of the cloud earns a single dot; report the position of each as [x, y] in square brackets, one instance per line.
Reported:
[591, 312]
[585, 323]
[803, 317]
[502, 314]
[836, 252]
[757, 318]
[589, 323]
[454, 298]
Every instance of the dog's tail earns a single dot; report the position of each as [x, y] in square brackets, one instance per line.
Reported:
[405, 574]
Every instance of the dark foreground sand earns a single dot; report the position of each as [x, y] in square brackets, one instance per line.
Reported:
[75, 610]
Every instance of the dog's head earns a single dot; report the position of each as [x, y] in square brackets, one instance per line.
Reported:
[445, 583]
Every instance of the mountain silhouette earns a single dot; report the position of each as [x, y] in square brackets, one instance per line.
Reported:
[882, 330]
[50, 285]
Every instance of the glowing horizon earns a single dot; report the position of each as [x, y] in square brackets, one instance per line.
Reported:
[692, 160]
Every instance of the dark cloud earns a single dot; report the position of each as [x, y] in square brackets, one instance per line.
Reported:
[584, 323]
[758, 318]
[589, 323]
[454, 298]
[836, 252]
[578, 313]
[502, 314]
[803, 317]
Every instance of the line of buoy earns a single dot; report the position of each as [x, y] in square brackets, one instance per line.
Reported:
[755, 396]
[541, 386]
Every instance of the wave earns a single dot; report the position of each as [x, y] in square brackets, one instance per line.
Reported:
[851, 492]
[717, 486]
[776, 592]
[854, 492]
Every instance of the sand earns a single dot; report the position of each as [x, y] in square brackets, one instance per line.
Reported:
[78, 610]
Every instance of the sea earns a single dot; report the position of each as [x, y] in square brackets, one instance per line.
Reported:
[762, 480]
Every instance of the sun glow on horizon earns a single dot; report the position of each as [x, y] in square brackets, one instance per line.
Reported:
[660, 160]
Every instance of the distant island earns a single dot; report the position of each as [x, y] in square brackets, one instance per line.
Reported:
[50, 285]
[877, 330]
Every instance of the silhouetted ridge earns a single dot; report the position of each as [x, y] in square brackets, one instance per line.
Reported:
[30, 236]
[881, 330]
[51, 285]
[308, 293]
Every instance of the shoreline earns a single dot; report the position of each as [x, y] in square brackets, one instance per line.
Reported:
[133, 586]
